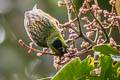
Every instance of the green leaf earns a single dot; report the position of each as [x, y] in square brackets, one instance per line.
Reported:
[117, 6]
[116, 69]
[91, 78]
[45, 78]
[105, 49]
[109, 69]
[88, 64]
[75, 69]
[95, 78]
[105, 63]
[69, 72]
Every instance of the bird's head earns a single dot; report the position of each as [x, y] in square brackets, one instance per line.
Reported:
[58, 46]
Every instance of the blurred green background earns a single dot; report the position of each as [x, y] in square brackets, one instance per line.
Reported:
[15, 63]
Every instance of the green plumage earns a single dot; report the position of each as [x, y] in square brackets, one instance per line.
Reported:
[43, 30]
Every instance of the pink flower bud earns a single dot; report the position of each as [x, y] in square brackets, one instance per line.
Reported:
[95, 7]
[60, 3]
[71, 31]
[39, 54]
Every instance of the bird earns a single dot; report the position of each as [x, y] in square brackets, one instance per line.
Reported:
[43, 30]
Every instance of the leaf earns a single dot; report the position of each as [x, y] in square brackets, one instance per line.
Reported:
[105, 49]
[91, 78]
[45, 78]
[88, 64]
[95, 78]
[75, 69]
[117, 6]
[105, 63]
[109, 69]
[116, 69]
[69, 72]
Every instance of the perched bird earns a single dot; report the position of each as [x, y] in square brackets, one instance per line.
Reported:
[43, 30]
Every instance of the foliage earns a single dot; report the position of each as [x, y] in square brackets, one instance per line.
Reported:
[106, 49]
[86, 70]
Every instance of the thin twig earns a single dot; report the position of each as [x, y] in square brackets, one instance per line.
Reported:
[69, 14]
[33, 49]
[102, 28]
[97, 36]
[75, 12]
[87, 39]
[80, 31]
[110, 31]
[66, 24]
[69, 19]
[70, 40]
[76, 19]
[110, 26]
